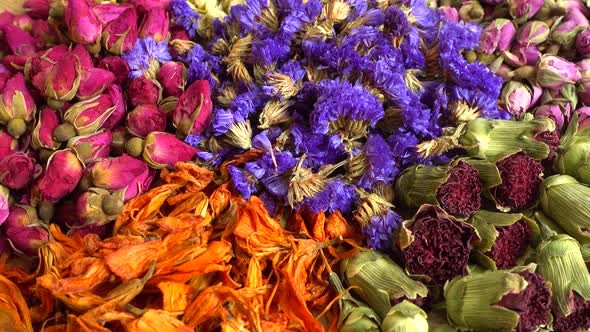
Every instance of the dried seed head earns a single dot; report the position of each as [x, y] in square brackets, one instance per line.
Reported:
[226, 96]
[463, 112]
[220, 47]
[371, 205]
[412, 82]
[274, 112]
[357, 165]
[337, 10]
[283, 84]
[240, 135]
[392, 119]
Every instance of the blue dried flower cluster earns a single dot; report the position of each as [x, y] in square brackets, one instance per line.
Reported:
[335, 98]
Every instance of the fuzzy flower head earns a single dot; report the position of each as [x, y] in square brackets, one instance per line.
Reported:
[337, 196]
[184, 16]
[146, 55]
[379, 230]
[373, 164]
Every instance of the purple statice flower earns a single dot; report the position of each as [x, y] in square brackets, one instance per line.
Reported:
[381, 164]
[243, 181]
[316, 147]
[274, 179]
[474, 99]
[342, 100]
[268, 51]
[296, 14]
[336, 196]
[183, 15]
[396, 22]
[270, 203]
[249, 102]
[293, 69]
[421, 14]
[201, 64]
[194, 140]
[222, 120]
[413, 57]
[379, 231]
[146, 49]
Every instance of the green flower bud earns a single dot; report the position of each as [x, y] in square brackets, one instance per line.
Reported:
[567, 202]
[354, 315]
[405, 317]
[379, 280]
[573, 157]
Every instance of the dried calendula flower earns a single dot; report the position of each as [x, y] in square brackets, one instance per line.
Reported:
[14, 312]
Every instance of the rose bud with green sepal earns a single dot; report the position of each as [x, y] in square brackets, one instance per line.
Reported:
[97, 145]
[533, 33]
[405, 317]
[583, 42]
[497, 36]
[193, 110]
[17, 106]
[555, 112]
[564, 32]
[83, 24]
[94, 81]
[444, 240]
[172, 77]
[120, 34]
[507, 239]
[516, 98]
[18, 170]
[555, 72]
[155, 24]
[455, 187]
[60, 178]
[379, 281]
[162, 150]
[98, 206]
[42, 136]
[523, 10]
[25, 232]
[62, 80]
[145, 119]
[144, 91]
[117, 66]
[124, 173]
[502, 300]
[561, 263]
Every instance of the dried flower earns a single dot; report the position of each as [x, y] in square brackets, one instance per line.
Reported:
[533, 33]
[25, 231]
[83, 24]
[521, 176]
[497, 36]
[172, 78]
[193, 111]
[555, 72]
[94, 81]
[17, 106]
[405, 316]
[16, 315]
[17, 170]
[117, 66]
[61, 176]
[446, 241]
[145, 119]
[124, 173]
[155, 24]
[165, 150]
[144, 91]
[93, 146]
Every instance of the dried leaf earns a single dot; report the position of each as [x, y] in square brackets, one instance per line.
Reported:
[175, 295]
[14, 313]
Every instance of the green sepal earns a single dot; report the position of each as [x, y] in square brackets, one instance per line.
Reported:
[405, 317]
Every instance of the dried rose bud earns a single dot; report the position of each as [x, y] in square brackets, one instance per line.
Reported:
[502, 300]
[583, 118]
[97, 144]
[20, 42]
[554, 112]
[471, 11]
[118, 66]
[506, 238]
[533, 32]
[450, 13]
[516, 98]
[61, 176]
[577, 13]
[116, 95]
[37, 8]
[522, 55]
[521, 176]
[17, 170]
[523, 10]
[125, 173]
[98, 207]
[193, 111]
[120, 35]
[63, 80]
[565, 33]
[172, 78]
[17, 106]
[83, 24]
[583, 42]
[8, 145]
[561, 263]
[25, 231]
[143, 91]
[497, 36]
[94, 81]
[145, 5]
[456, 187]
[4, 75]
[39, 65]
[446, 241]
[155, 24]
[165, 150]
[109, 11]
[145, 119]
[555, 72]
[44, 33]
[4, 205]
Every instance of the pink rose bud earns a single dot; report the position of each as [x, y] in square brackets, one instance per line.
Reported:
[144, 119]
[63, 79]
[584, 67]
[44, 34]
[146, 5]
[4, 76]
[98, 207]
[16, 102]
[83, 24]
[118, 67]
[578, 15]
[537, 93]
[108, 11]
[471, 11]
[114, 92]
[583, 42]
[94, 81]
[583, 118]
[17, 170]
[533, 33]
[144, 91]
[92, 147]
[165, 150]
[61, 176]
[8, 145]
[89, 115]
[25, 231]
[37, 8]
[555, 72]
[19, 41]
[43, 133]
[497, 36]
[155, 24]
[523, 10]
[84, 56]
[193, 110]
[565, 33]
[38, 66]
[4, 205]
[172, 78]
[450, 13]
[516, 98]
[553, 112]
[125, 173]
[120, 35]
